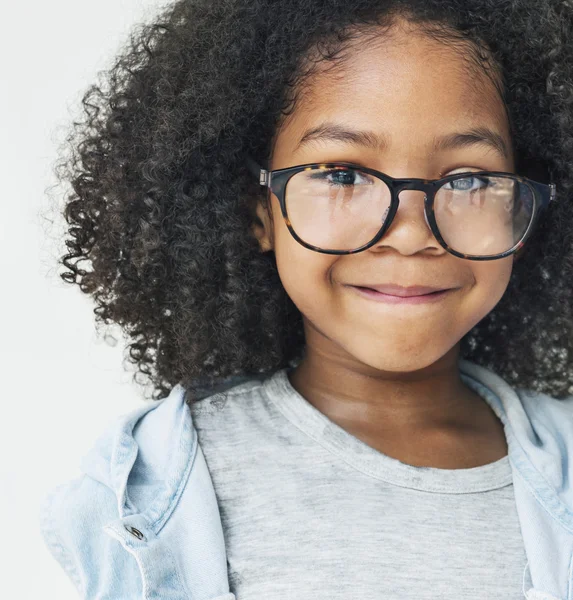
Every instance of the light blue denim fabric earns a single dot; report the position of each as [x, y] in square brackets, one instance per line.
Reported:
[143, 521]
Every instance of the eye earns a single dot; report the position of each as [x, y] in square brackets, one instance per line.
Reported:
[467, 184]
[341, 177]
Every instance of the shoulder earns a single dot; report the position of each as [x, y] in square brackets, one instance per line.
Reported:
[231, 418]
[142, 468]
[237, 391]
[80, 519]
[552, 416]
[516, 399]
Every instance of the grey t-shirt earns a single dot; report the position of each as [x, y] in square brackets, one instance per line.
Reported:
[309, 511]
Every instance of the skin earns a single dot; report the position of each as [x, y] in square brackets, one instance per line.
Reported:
[388, 374]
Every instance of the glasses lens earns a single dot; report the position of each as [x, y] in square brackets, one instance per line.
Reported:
[483, 215]
[336, 208]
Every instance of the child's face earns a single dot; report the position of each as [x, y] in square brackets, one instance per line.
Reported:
[410, 91]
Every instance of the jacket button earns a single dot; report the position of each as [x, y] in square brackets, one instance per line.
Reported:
[135, 532]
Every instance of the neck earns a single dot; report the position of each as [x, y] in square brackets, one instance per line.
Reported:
[359, 396]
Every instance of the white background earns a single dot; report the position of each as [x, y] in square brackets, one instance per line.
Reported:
[61, 382]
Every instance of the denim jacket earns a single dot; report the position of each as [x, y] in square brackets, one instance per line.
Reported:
[143, 520]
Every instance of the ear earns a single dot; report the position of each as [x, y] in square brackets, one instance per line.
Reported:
[262, 228]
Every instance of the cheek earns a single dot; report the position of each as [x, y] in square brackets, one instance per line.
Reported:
[491, 279]
[304, 275]
[303, 272]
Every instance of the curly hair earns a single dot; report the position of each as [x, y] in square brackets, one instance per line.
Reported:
[161, 205]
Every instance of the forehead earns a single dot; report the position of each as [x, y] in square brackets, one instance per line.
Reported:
[403, 83]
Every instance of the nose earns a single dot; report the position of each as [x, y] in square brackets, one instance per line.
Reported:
[410, 232]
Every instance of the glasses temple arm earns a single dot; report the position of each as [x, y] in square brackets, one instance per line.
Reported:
[548, 190]
[257, 171]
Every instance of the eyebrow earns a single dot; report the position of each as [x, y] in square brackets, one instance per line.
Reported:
[369, 139]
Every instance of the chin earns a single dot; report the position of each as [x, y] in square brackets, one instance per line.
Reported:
[395, 361]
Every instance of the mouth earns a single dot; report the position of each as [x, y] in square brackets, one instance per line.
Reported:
[392, 294]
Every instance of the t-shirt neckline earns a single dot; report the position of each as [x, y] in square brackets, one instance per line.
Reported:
[371, 461]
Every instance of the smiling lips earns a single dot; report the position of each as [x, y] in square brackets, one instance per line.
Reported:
[396, 294]
[403, 292]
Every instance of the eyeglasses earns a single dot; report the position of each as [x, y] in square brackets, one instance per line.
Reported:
[339, 208]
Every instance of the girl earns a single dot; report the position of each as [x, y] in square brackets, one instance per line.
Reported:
[339, 236]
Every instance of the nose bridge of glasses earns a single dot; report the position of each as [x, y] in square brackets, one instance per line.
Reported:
[412, 185]
[421, 185]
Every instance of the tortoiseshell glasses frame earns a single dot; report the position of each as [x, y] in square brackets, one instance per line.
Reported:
[277, 180]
